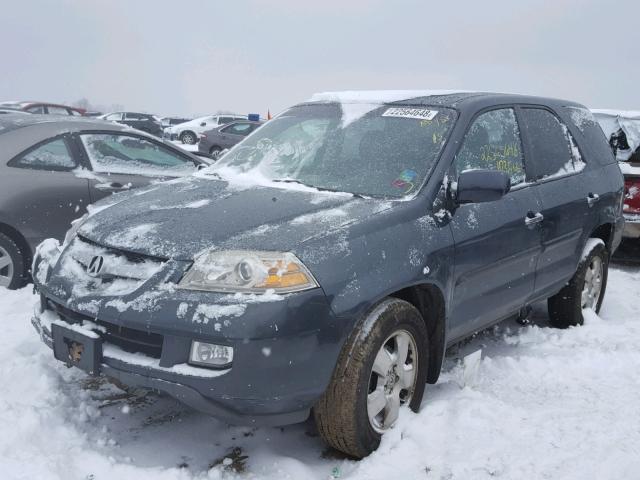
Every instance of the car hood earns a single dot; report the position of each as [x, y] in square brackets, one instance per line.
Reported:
[183, 217]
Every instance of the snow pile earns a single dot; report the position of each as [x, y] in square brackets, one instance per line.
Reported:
[539, 403]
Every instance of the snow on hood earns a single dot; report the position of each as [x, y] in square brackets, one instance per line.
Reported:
[181, 219]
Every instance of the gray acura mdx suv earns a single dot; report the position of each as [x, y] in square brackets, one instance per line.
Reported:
[324, 264]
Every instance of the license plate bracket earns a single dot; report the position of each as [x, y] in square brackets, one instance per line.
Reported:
[77, 349]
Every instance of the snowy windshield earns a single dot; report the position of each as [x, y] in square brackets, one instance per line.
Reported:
[374, 150]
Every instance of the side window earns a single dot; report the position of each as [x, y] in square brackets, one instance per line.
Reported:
[223, 120]
[553, 148]
[133, 116]
[238, 129]
[493, 143]
[57, 111]
[53, 155]
[127, 154]
[114, 117]
[36, 109]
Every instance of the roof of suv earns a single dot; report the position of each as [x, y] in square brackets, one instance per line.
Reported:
[450, 98]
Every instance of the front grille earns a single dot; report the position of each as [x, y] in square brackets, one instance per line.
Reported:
[128, 339]
[119, 272]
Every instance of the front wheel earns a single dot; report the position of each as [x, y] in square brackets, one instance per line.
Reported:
[214, 152]
[585, 289]
[188, 138]
[12, 264]
[382, 368]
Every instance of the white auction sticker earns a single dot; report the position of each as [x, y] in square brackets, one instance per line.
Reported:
[417, 113]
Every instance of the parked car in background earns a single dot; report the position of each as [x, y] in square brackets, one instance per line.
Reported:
[325, 263]
[141, 121]
[188, 132]
[92, 114]
[622, 129]
[5, 110]
[50, 170]
[44, 108]
[167, 122]
[213, 141]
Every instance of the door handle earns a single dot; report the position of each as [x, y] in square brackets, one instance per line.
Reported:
[592, 199]
[533, 218]
[110, 187]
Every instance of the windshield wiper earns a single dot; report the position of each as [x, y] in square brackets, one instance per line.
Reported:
[322, 189]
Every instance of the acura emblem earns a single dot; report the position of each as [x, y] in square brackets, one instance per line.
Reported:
[95, 266]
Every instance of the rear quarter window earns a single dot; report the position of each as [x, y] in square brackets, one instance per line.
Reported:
[595, 145]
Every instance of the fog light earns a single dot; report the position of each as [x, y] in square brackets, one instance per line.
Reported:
[210, 354]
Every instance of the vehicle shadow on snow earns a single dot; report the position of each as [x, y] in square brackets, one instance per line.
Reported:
[151, 430]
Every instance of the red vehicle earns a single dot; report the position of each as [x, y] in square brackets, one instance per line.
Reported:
[622, 129]
[44, 108]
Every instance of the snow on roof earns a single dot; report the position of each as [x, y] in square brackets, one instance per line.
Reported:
[629, 114]
[378, 96]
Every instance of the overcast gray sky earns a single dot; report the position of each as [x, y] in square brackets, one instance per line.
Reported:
[193, 57]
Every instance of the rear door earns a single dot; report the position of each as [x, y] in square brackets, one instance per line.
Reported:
[564, 193]
[496, 248]
[122, 161]
[42, 190]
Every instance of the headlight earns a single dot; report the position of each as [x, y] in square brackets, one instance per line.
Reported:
[73, 231]
[248, 271]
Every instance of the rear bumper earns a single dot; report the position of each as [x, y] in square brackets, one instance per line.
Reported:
[631, 225]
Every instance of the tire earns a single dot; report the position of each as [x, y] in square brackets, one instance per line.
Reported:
[13, 272]
[565, 307]
[214, 151]
[342, 413]
[188, 137]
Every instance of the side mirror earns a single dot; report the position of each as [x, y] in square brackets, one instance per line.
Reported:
[478, 186]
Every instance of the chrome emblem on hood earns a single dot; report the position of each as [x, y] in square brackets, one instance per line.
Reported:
[95, 266]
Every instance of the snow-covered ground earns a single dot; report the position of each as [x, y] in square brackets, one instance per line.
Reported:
[543, 403]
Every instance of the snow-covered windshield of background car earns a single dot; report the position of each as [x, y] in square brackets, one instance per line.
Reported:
[373, 150]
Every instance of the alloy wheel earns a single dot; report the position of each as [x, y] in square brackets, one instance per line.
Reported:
[6, 268]
[392, 379]
[592, 283]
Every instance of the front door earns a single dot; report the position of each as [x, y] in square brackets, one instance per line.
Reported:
[45, 189]
[496, 243]
[122, 161]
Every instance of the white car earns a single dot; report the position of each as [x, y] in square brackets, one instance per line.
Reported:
[189, 132]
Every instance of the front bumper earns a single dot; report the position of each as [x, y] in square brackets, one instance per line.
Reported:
[274, 379]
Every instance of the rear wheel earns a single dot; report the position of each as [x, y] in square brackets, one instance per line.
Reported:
[382, 369]
[12, 264]
[215, 151]
[188, 138]
[585, 290]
